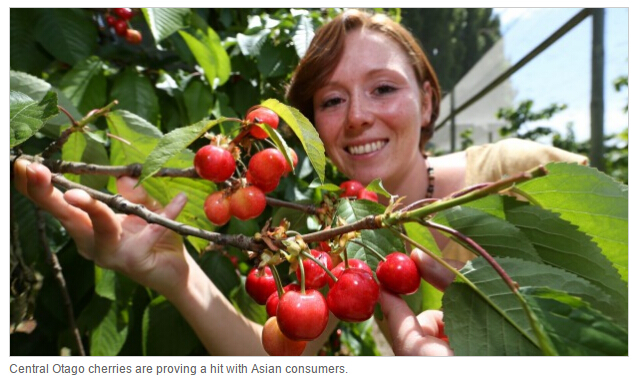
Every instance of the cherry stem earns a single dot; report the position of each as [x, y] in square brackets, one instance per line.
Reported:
[372, 250]
[302, 281]
[321, 265]
[278, 280]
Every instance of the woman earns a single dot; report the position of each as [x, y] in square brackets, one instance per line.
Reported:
[373, 97]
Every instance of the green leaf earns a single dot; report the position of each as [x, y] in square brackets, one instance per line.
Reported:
[497, 236]
[85, 85]
[143, 137]
[110, 335]
[37, 89]
[165, 331]
[475, 327]
[247, 306]
[590, 200]
[250, 45]
[221, 272]
[377, 186]
[68, 34]
[381, 240]
[198, 101]
[25, 53]
[275, 61]
[135, 93]
[573, 326]
[173, 144]
[306, 133]
[303, 34]
[163, 22]
[210, 55]
[28, 115]
[562, 245]
[82, 148]
[34, 87]
[432, 297]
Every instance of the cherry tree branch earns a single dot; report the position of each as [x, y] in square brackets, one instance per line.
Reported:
[52, 259]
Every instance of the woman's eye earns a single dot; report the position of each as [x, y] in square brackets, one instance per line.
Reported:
[331, 102]
[385, 89]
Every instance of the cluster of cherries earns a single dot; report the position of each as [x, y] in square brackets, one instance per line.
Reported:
[217, 163]
[119, 22]
[297, 316]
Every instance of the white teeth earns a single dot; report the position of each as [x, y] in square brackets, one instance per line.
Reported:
[366, 148]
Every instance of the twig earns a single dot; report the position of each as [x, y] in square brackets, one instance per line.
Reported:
[117, 202]
[51, 257]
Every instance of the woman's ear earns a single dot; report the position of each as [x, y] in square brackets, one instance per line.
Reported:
[426, 104]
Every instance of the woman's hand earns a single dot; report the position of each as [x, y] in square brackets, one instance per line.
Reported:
[148, 253]
[418, 335]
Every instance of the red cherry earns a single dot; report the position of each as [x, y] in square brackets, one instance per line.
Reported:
[260, 285]
[214, 163]
[266, 167]
[324, 246]
[111, 20]
[217, 208]
[274, 299]
[352, 263]
[121, 28]
[353, 297]
[133, 37]
[302, 316]
[247, 203]
[314, 275]
[367, 194]
[294, 159]
[124, 13]
[275, 343]
[350, 188]
[265, 187]
[398, 273]
[262, 115]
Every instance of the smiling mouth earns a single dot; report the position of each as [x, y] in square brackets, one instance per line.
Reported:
[366, 148]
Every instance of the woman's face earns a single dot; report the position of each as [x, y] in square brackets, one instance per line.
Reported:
[369, 114]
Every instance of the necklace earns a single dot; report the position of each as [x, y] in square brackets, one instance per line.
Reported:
[430, 178]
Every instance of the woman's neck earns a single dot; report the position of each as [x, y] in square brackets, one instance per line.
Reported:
[412, 185]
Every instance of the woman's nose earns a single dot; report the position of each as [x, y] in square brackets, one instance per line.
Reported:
[360, 114]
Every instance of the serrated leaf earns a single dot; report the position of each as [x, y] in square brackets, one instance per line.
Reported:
[85, 84]
[165, 331]
[210, 55]
[590, 200]
[475, 327]
[173, 144]
[135, 93]
[495, 235]
[306, 133]
[303, 34]
[28, 116]
[163, 22]
[381, 240]
[573, 326]
[110, 335]
[562, 245]
[143, 137]
[275, 61]
[67, 34]
[250, 45]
